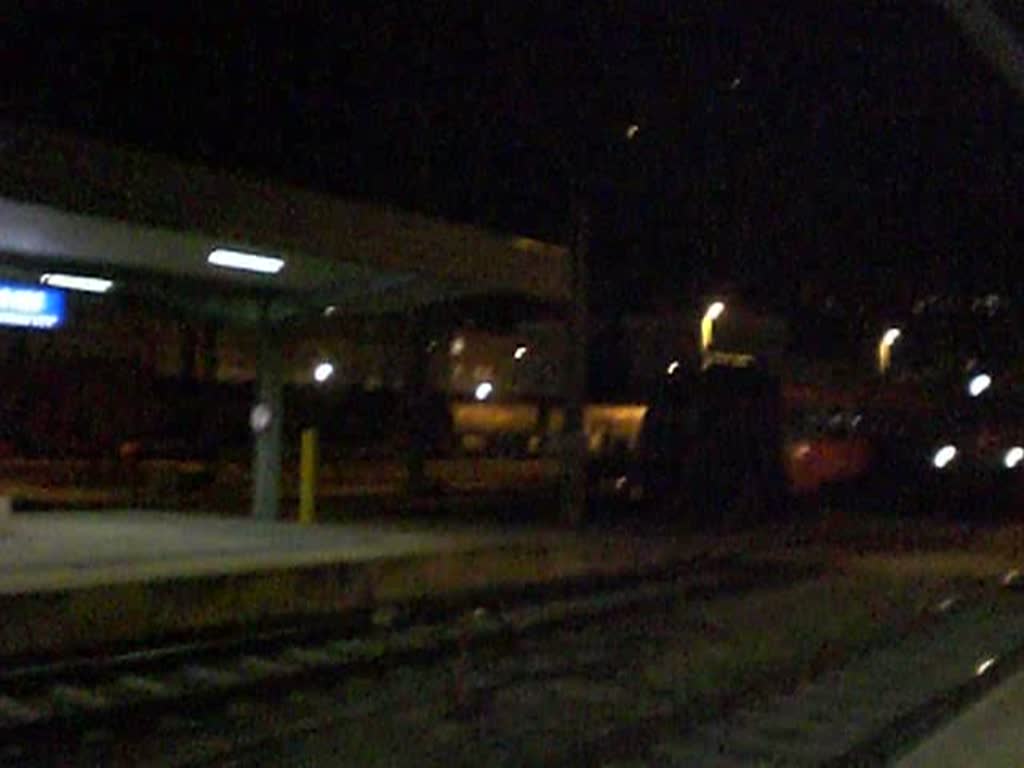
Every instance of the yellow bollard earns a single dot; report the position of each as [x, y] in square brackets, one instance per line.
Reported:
[309, 462]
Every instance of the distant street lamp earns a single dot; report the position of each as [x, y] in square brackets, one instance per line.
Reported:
[483, 390]
[323, 372]
[1013, 457]
[978, 384]
[944, 456]
[707, 324]
[885, 349]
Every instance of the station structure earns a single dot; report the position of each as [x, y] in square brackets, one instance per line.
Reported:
[77, 214]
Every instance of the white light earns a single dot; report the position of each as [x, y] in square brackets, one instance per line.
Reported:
[250, 262]
[1013, 457]
[29, 321]
[984, 666]
[715, 311]
[890, 336]
[520, 352]
[330, 310]
[944, 456]
[885, 349]
[458, 346]
[672, 367]
[260, 417]
[979, 384]
[947, 604]
[483, 390]
[29, 301]
[77, 282]
[632, 131]
[323, 372]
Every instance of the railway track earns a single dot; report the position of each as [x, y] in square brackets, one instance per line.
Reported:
[861, 714]
[874, 709]
[62, 701]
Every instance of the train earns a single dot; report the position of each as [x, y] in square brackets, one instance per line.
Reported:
[730, 446]
[729, 443]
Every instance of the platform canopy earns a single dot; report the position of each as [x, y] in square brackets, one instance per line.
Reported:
[149, 223]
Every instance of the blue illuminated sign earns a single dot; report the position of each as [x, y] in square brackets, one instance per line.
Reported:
[28, 306]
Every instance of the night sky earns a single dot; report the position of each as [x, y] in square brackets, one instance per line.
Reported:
[794, 150]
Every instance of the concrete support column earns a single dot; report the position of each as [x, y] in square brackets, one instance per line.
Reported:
[267, 422]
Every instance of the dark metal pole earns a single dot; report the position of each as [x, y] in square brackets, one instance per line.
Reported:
[417, 383]
[574, 484]
[268, 426]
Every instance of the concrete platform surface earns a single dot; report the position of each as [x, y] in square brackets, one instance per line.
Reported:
[74, 581]
[61, 550]
[987, 734]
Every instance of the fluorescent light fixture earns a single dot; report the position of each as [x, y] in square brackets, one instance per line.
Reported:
[76, 282]
[250, 262]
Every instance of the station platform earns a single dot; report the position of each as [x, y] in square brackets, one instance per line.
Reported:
[75, 581]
